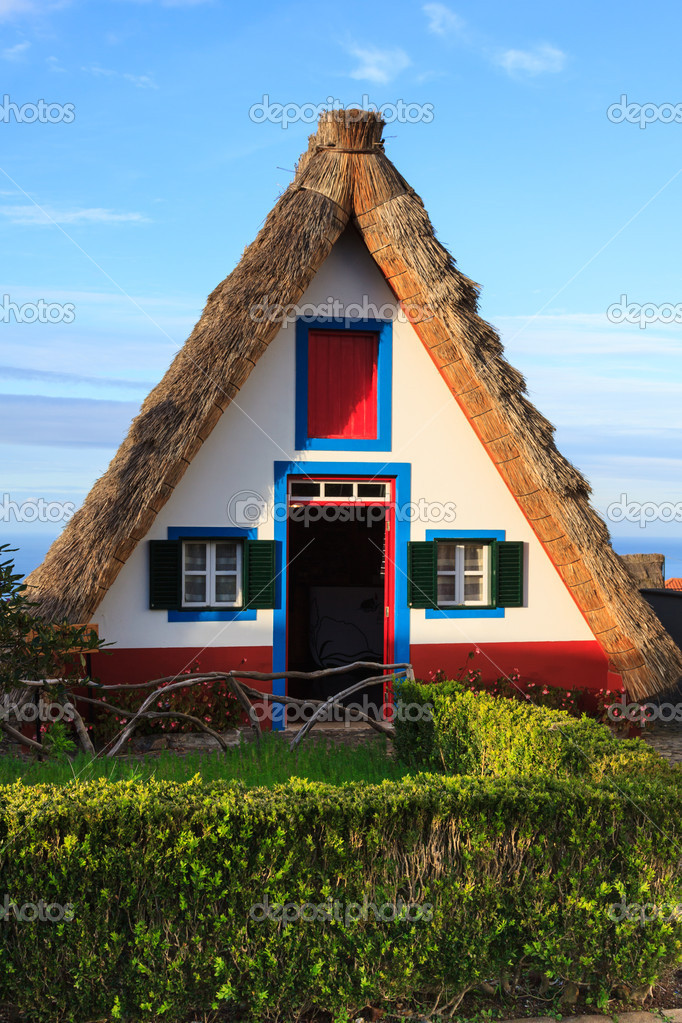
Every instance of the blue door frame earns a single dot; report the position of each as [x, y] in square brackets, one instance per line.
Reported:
[401, 472]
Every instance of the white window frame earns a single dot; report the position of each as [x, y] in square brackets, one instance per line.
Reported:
[211, 573]
[460, 574]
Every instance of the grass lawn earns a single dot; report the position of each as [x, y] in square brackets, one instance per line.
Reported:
[316, 759]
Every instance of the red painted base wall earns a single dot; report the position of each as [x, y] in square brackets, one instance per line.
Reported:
[560, 664]
[141, 665]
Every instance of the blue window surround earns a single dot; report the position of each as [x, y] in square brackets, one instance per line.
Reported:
[465, 534]
[401, 472]
[197, 532]
[384, 328]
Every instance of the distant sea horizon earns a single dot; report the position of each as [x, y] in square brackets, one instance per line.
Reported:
[32, 548]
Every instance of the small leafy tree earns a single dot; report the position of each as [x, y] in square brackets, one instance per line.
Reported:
[32, 649]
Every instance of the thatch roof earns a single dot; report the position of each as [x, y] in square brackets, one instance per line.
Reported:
[645, 569]
[346, 179]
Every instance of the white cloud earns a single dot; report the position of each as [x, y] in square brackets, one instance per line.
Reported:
[141, 81]
[12, 8]
[32, 419]
[8, 8]
[15, 52]
[379, 66]
[443, 21]
[541, 60]
[44, 215]
[53, 64]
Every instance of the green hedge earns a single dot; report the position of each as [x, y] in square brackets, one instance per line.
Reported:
[162, 878]
[446, 727]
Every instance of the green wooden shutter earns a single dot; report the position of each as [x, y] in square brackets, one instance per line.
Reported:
[510, 573]
[259, 574]
[164, 575]
[421, 573]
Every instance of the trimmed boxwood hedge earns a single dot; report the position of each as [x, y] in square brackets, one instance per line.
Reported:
[162, 878]
[447, 727]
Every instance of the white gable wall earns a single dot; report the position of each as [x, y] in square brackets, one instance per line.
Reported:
[449, 464]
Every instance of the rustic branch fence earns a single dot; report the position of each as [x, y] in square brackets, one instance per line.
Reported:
[242, 692]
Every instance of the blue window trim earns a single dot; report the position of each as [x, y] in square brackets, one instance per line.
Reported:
[465, 534]
[401, 472]
[384, 328]
[187, 532]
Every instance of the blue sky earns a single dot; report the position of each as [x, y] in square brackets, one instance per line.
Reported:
[135, 208]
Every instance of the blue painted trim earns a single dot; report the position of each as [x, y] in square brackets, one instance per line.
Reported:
[465, 534]
[189, 532]
[384, 328]
[248, 615]
[402, 473]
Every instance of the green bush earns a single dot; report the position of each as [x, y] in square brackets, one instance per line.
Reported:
[162, 878]
[464, 732]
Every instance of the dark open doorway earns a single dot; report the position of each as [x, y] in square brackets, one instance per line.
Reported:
[336, 602]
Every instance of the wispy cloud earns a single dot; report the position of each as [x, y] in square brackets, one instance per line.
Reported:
[379, 66]
[50, 422]
[45, 215]
[173, 3]
[544, 59]
[443, 21]
[16, 52]
[14, 8]
[54, 65]
[9, 8]
[141, 81]
[43, 376]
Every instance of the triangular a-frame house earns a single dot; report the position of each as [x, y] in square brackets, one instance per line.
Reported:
[302, 489]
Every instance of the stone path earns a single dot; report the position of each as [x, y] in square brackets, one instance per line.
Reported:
[668, 742]
[640, 1016]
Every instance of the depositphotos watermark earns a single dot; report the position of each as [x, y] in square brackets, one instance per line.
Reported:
[288, 113]
[641, 712]
[634, 312]
[36, 312]
[644, 913]
[625, 510]
[28, 912]
[340, 912]
[39, 112]
[35, 510]
[268, 311]
[644, 113]
[248, 508]
[42, 711]
[384, 713]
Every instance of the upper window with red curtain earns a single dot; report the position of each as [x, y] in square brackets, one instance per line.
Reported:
[342, 384]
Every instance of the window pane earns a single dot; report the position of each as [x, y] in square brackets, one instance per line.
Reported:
[305, 489]
[226, 557]
[195, 557]
[446, 557]
[371, 490]
[473, 588]
[473, 557]
[446, 589]
[226, 589]
[195, 589]
[338, 490]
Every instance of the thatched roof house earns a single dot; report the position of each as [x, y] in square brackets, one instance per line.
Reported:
[345, 186]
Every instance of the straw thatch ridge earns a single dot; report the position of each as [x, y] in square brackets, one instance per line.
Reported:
[345, 179]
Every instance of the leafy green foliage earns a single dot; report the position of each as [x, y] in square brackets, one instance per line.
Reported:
[465, 731]
[163, 878]
[32, 648]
